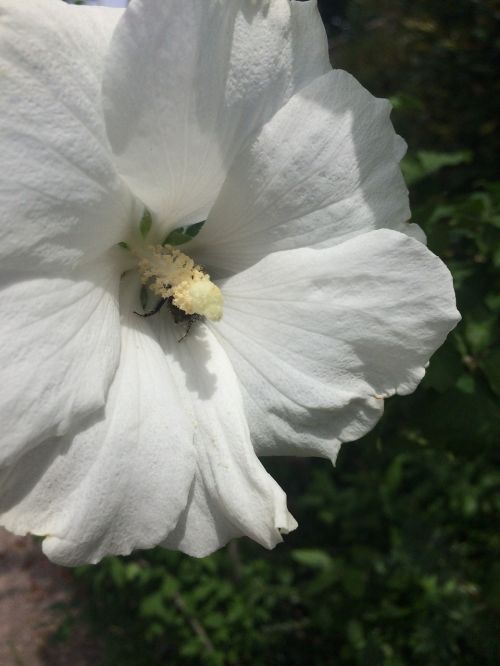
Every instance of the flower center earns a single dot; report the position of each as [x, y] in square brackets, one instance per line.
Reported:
[171, 274]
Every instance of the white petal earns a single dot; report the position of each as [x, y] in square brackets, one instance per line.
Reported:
[325, 168]
[188, 82]
[319, 337]
[121, 483]
[232, 495]
[60, 343]
[60, 196]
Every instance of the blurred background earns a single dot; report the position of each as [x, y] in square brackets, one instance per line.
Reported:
[396, 561]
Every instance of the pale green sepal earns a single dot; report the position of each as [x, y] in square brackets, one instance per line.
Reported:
[146, 223]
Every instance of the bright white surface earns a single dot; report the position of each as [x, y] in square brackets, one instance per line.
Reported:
[206, 76]
[61, 199]
[333, 332]
[323, 169]
[121, 482]
[311, 341]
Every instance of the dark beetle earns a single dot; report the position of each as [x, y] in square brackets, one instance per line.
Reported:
[178, 315]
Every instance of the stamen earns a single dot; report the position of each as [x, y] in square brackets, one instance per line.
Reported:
[170, 273]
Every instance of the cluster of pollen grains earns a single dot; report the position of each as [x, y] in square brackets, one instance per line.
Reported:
[170, 273]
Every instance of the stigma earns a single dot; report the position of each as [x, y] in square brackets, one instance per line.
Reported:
[171, 274]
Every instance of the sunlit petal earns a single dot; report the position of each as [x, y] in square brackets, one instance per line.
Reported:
[319, 337]
[61, 199]
[233, 494]
[59, 352]
[325, 168]
[188, 82]
[122, 481]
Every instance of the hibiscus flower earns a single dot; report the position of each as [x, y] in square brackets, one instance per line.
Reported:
[307, 295]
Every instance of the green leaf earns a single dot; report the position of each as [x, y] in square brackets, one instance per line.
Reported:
[314, 558]
[132, 571]
[177, 237]
[418, 166]
[492, 300]
[481, 329]
[170, 587]
[153, 606]
[194, 229]
[356, 634]
[146, 223]
[405, 102]
[183, 234]
[490, 365]
[117, 572]
[444, 369]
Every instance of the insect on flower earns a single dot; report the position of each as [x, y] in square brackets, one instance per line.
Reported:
[178, 315]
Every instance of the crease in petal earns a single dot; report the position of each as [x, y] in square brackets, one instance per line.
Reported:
[187, 84]
[59, 352]
[324, 169]
[232, 495]
[318, 338]
[122, 480]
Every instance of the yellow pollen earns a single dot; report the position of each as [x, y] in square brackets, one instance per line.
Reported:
[170, 273]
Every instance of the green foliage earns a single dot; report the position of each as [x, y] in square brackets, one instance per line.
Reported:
[396, 559]
[390, 574]
[440, 58]
[424, 163]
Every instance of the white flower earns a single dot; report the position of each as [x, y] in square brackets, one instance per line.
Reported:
[116, 436]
